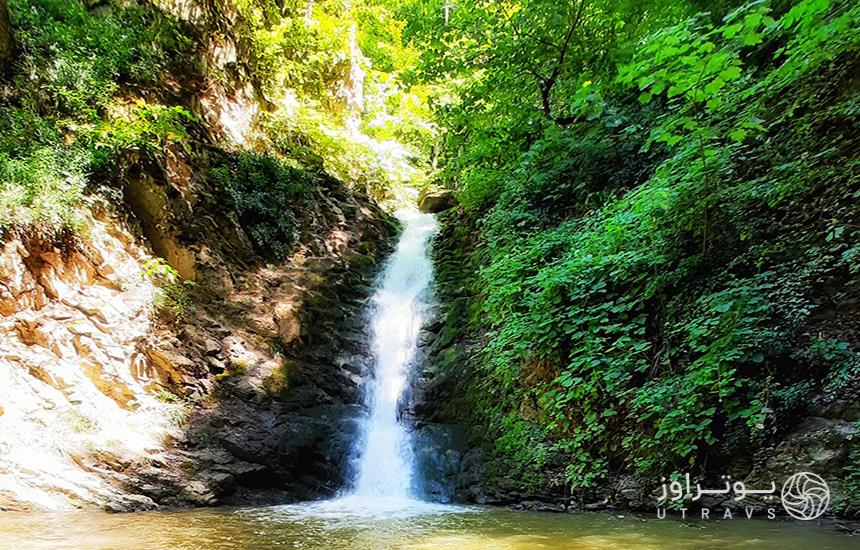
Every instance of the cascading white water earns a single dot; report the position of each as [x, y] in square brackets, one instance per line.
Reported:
[385, 458]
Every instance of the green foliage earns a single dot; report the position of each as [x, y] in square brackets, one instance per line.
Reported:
[514, 69]
[267, 195]
[171, 301]
[290, 51]
[332, 72]
[80, 74]
[653, 249]
[309, 140]
[69, 67]
[836, 358]
[43, 189]
[146, 129]
[82, 58]
[167, 397]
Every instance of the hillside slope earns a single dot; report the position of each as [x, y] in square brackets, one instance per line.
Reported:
[662, 261]
[179, 264]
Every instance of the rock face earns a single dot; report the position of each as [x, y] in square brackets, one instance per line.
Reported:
[116, 393]
[74, 381]
[436, 200]
[105, 403]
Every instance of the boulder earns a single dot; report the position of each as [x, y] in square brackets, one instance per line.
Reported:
[211, 347]
[539, 506]
[118, 503]
[436, 200]
[199, 493]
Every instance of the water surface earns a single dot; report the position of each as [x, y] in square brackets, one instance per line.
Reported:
[353, 524]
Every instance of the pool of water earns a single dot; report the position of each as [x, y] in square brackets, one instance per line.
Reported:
[354, 524]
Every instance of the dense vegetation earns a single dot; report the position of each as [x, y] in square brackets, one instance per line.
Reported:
[53, 120]
[665, 204]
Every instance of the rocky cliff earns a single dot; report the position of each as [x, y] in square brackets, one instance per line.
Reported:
[109, 399]
[161, 355]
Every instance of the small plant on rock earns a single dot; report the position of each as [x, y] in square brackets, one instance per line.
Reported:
[171, 301]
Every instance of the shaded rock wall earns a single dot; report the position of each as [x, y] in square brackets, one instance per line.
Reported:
[107, 402]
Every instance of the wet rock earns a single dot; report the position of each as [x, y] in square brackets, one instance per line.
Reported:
[198, 492]
[818, 445]
[630, 493]
[435, 201]
[439, 456]
[246, 473]
[539, 506]
[221, 479]
[129, 503]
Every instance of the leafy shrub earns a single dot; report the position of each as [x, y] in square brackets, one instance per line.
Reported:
[81, 58]
[171, 301]
[68, 70]
[43, 189]
[267, 194]
[653, 317]
[145, 128]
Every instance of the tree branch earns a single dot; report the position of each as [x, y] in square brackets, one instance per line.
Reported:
[7, 42]
[549, 82]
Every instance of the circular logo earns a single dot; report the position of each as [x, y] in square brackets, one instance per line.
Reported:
[805, 496]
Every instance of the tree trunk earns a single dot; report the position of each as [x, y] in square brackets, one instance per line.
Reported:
[7, 43]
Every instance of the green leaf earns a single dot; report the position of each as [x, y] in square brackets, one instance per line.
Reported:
[738, 135]
[714, 86]
[732, 30]
[753, 38]
[752, 20]
[730, 73]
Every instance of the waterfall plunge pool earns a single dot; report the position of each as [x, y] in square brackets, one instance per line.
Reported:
[377, 511]
[354, 523]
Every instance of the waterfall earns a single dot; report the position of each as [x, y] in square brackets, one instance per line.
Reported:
[386, 461]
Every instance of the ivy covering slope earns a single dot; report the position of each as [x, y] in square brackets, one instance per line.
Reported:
[660, 215]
